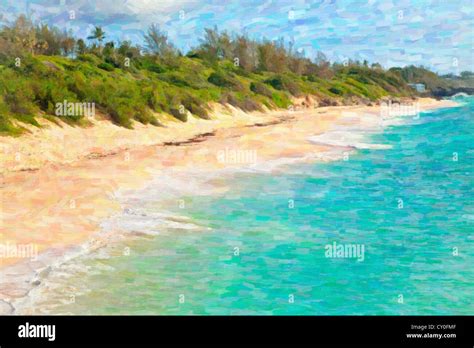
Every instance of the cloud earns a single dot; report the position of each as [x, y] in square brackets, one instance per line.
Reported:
[153, 6]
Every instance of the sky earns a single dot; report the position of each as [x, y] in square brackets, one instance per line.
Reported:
[437, 34]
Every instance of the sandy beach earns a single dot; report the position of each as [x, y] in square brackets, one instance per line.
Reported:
[58, 184]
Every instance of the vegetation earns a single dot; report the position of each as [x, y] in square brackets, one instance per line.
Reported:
[41, 66]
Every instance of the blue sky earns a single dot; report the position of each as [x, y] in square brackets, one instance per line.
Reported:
[438, 34]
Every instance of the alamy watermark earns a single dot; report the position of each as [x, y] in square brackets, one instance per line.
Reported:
[345, 251]
[237, 156]
[389, 110]
[75, 109]
[13, 250]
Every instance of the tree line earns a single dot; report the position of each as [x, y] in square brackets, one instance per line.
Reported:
[24, 37]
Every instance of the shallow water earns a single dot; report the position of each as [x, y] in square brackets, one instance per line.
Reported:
[258, 247]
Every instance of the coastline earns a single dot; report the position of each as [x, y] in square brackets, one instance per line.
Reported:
[61, 204]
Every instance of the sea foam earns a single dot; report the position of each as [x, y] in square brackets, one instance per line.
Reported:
[345, 138]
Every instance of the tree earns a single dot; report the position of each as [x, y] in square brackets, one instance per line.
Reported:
[41, 47]
[215, 45]
[67, 45]
[296, 60]
[323, 66]
[23, 34]
[127, 50]
[157, 43]
[81, 46]
[99, 35]
[53, 36]
[246, 51]
[376, 66]
[109, 49]
[272, 56]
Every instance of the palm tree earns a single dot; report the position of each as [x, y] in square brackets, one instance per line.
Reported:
[99, 35]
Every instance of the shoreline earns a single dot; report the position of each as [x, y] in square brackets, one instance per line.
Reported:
[59, 206]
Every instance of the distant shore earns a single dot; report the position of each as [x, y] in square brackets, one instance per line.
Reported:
[59, 183]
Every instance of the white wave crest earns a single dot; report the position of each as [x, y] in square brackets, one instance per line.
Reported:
[346, 139]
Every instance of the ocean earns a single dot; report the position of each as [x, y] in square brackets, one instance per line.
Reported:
[385, 230]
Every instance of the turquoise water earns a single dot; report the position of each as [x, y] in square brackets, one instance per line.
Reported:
[280, 266]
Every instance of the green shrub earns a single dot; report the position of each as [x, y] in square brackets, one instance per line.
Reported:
[225, 81]
[276, 82]
[182, 116]
[113, 61]
[6, 127]
[199, 111]
[251, 105]
[260, 88]
[120, 113]
[193, 105]
[106, 66]
[155, 68]
[156, 84]
[156, 98]
[335, 90]
[90, 58]
[175, 79]
[240, 101]
[145, 116]
[281, 100]
[283, 83]
[77, 84]
[18, 94]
